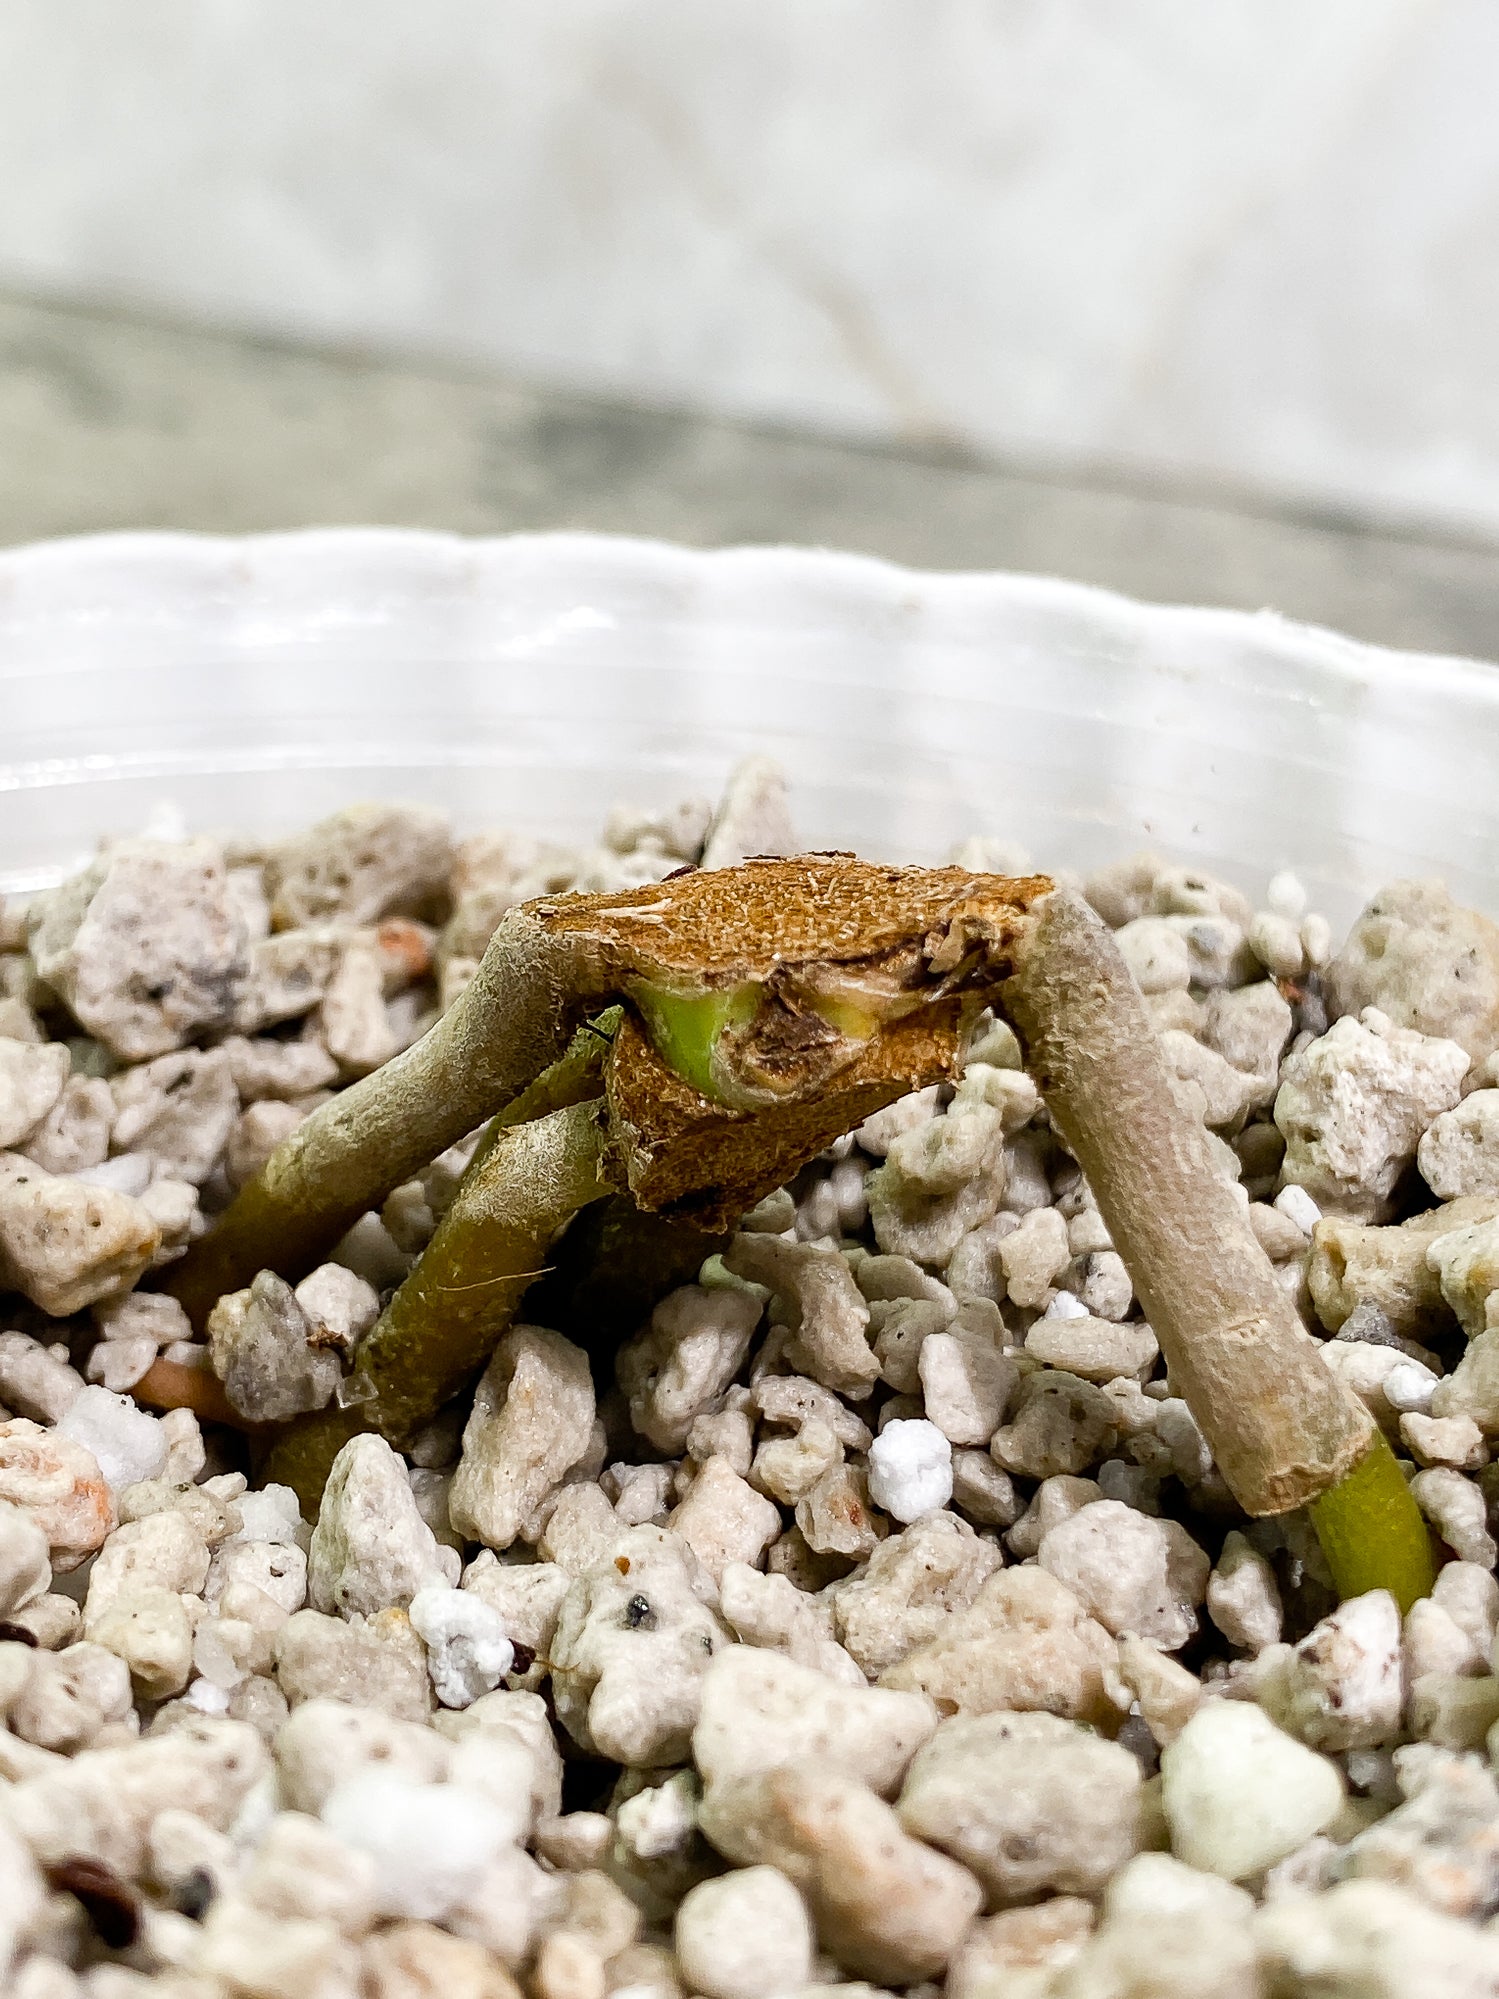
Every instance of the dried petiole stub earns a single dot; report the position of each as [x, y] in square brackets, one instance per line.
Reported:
[1283, 1430]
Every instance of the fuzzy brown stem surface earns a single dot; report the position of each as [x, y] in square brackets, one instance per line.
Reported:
[1279, 1424]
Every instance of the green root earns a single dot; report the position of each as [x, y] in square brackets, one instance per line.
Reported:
[1372, 1532]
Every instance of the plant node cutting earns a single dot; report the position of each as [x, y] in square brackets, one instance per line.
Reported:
[767, 1009]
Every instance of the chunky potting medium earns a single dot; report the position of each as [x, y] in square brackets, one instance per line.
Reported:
[836, 1593]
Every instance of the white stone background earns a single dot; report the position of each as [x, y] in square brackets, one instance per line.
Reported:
[1244, 243]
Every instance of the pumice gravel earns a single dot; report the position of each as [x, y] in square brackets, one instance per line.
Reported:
[864, 1611]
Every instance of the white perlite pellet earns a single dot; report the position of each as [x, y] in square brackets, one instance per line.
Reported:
[468, 1653]
[910, 1469]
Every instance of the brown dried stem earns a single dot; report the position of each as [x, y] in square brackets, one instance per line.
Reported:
[531, 991]
[1280, 1425]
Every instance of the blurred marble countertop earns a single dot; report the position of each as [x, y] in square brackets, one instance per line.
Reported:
[109, 421]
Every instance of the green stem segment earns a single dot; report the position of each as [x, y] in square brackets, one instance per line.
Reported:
[687, 1028]
[441, 1326]
[1372, 1532]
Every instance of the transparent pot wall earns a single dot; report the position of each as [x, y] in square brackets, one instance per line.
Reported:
[535, 681]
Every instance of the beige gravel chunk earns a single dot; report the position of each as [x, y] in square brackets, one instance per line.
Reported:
[1243, 1598]
[982, 1491]
[32, 1076]
[1053, 1501]
[1353, 1263]
[179, 1110]
[60, 1486]
[787, 1468]
[23, 1899]
[65, 1244]
[527, 1597]
[162, 1550]
[254, 1136]
[1026, 1644]
[1093, 1349]
[288, 975]
[1444, 1440]
[753, 816]
[353, 1021]
[912, 1583]
[1033, 1256]
[25, 1559]
[34, 1381]
[1442, 1843]
[770, 1611]
[1472, 1389]
[532, 1421]
[1341, 1686]
[102, 1806]
[370, 1662]
[633, 1641]
[1168, 1695]
[1353, 1105]
[760, 1709]
[359, 864]
[1454, 1710]
[260, 1348]
[339, 1306]
[1131, 1572]
[420, 1961]
[1031, 1804]
[1060, 1424]
[1459, 1151]
[939, 1180]
[1249, 1027]
[148, 946]
[678, 1366]
[1239, 1794]
[266, 1069]
[326, 1740]
[1168, 1932]
[885, 1906]
[70, 1696]
[836, 1517]
[1456, 1508]
[1425, 961]
[74, 1135]
[151, 1630]
[1019, 1949]
[793, 1399]
[582, 1529]
[814, 1295]
[371, 1550]
[723, 1519]
[1368, 1940]
[1466, 1262]
[746, 1935]
[966, 1383]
